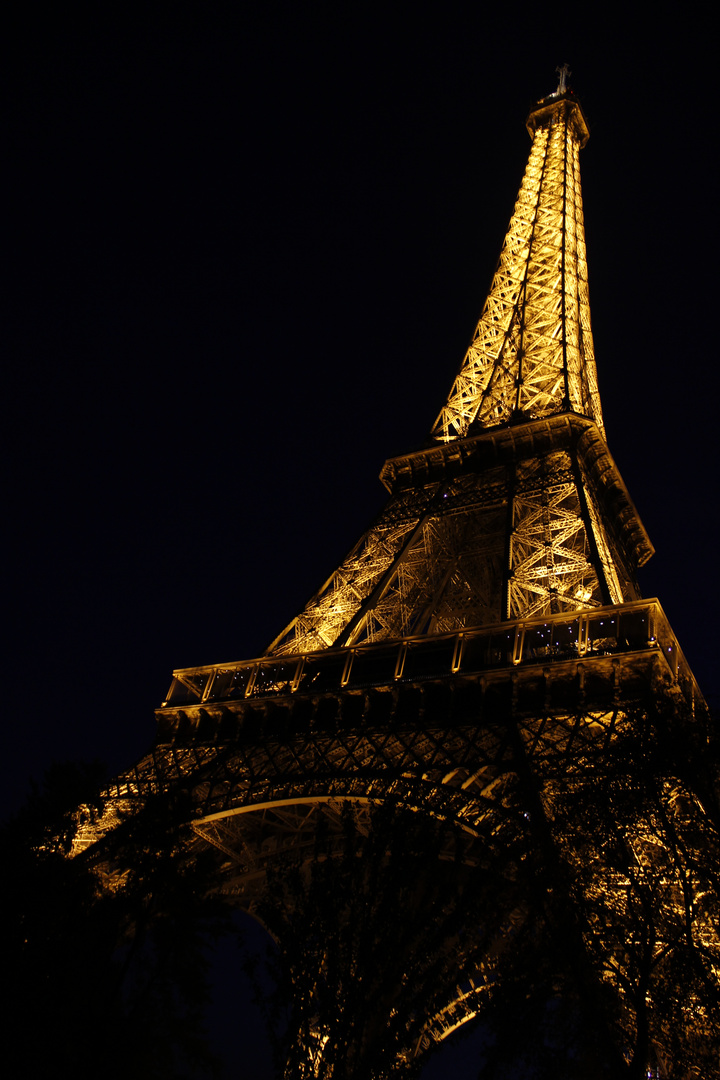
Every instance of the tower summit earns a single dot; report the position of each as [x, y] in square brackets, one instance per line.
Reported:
[483, 656]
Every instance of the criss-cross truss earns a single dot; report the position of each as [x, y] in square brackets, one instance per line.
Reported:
[555, 561]
[431, 563]
[532, 351]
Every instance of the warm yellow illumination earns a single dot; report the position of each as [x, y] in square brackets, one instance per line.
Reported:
[532, 351]
[549, 565]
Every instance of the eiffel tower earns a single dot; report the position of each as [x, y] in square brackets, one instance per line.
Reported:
[484, 644]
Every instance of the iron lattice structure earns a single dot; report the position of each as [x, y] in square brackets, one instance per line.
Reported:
[532, 351]
[482, 652]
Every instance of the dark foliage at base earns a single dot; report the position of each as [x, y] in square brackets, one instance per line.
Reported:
[107, 974]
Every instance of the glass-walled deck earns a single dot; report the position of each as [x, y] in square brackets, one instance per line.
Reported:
[552, 639]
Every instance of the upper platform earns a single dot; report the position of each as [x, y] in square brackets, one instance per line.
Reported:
[567, 105]
[510, 443]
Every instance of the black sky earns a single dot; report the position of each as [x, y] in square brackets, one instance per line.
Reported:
[246, 247]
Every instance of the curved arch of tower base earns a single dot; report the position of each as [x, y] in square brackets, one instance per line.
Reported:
[511, 715]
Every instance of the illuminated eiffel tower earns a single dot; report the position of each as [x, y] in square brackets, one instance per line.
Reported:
[487, 627]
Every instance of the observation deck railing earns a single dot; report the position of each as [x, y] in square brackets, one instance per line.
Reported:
[584, 635]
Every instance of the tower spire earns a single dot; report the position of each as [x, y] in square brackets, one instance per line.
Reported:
[562, 73]
[532, 351]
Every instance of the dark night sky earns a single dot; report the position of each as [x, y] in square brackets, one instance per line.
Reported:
[246, 248]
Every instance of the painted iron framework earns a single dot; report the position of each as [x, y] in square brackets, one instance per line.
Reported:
[482, 649]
